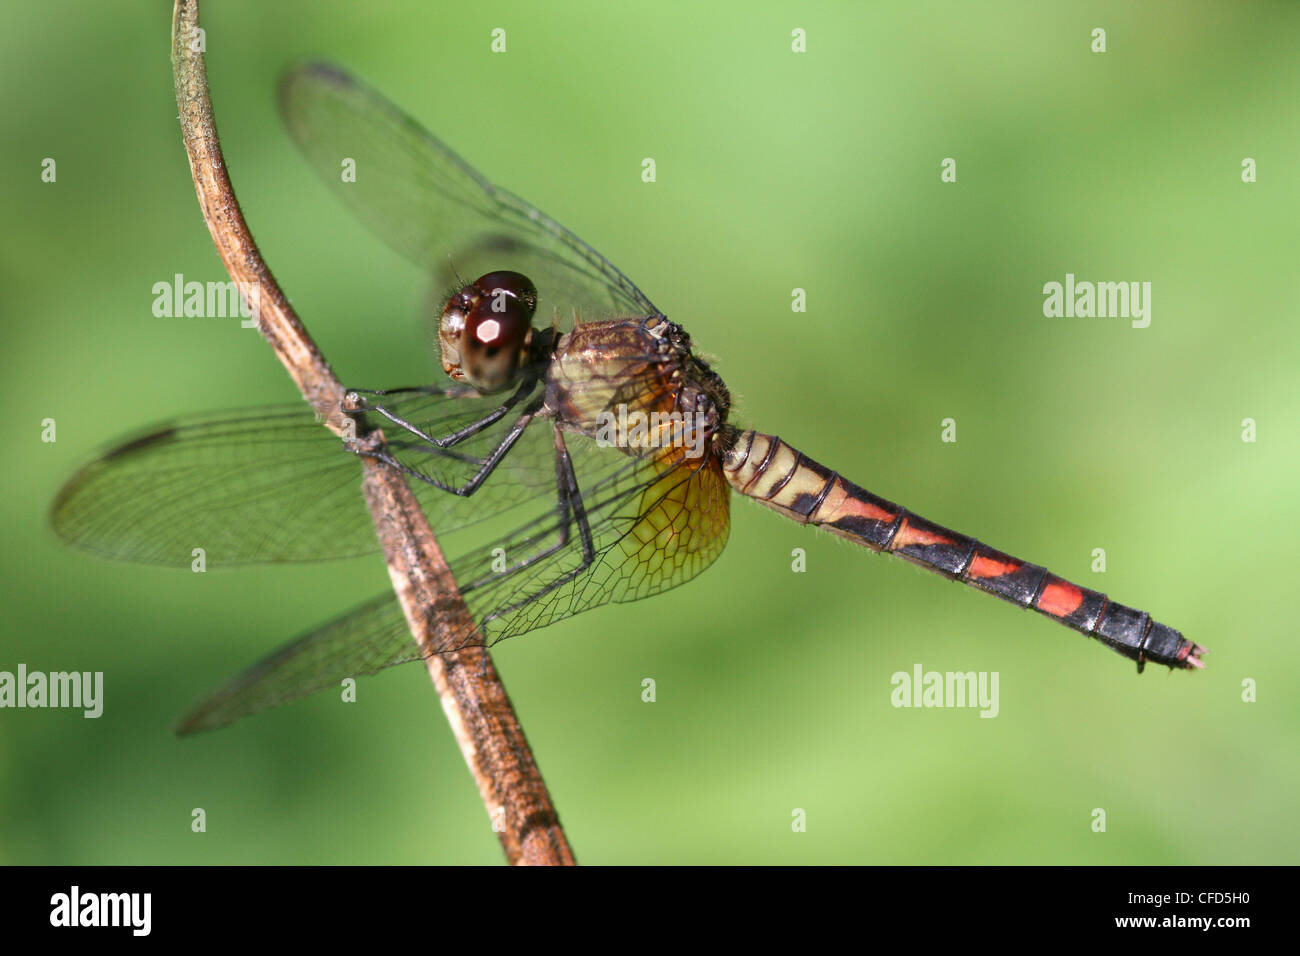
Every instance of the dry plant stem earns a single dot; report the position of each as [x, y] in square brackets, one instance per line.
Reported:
[472, 694]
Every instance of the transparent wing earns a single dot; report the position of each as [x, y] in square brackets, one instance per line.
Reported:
[269, 485]
[272, 485]
[653, 526]
[431, 206]
[363, 641]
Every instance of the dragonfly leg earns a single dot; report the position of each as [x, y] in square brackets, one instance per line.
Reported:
[448, 391]
[486, 467]
[571, 512]
[470, 430]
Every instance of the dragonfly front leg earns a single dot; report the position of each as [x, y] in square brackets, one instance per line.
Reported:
[468, 431]
[486, 465]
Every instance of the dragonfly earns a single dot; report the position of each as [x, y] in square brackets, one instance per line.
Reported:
[573, 411]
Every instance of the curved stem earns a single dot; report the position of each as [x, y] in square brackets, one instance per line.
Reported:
[482, 718]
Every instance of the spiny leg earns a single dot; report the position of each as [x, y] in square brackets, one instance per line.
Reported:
[468, 431]
[571, 511]
[486, 465]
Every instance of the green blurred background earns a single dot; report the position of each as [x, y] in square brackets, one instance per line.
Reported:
[775, 170]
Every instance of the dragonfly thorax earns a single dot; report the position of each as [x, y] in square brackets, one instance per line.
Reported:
[635, 384]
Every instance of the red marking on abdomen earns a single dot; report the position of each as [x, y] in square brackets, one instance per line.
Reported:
[983, 567]
[908, 535]
[1060, 598]
[857, 508]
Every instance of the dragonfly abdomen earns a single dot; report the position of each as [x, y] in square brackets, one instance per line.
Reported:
[769, 470]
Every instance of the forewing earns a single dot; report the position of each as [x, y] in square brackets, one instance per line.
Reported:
[272, 485]
[259, 485]
[431, 206]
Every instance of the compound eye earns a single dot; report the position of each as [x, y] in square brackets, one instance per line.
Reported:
[496, 331]
[486, 327]
[516, 285]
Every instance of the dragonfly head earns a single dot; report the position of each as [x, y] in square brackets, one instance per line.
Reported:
[486, 328]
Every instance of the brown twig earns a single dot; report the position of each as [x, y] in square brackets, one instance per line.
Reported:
[472, 694]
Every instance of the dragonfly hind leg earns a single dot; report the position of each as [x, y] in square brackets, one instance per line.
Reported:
[571, 512]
